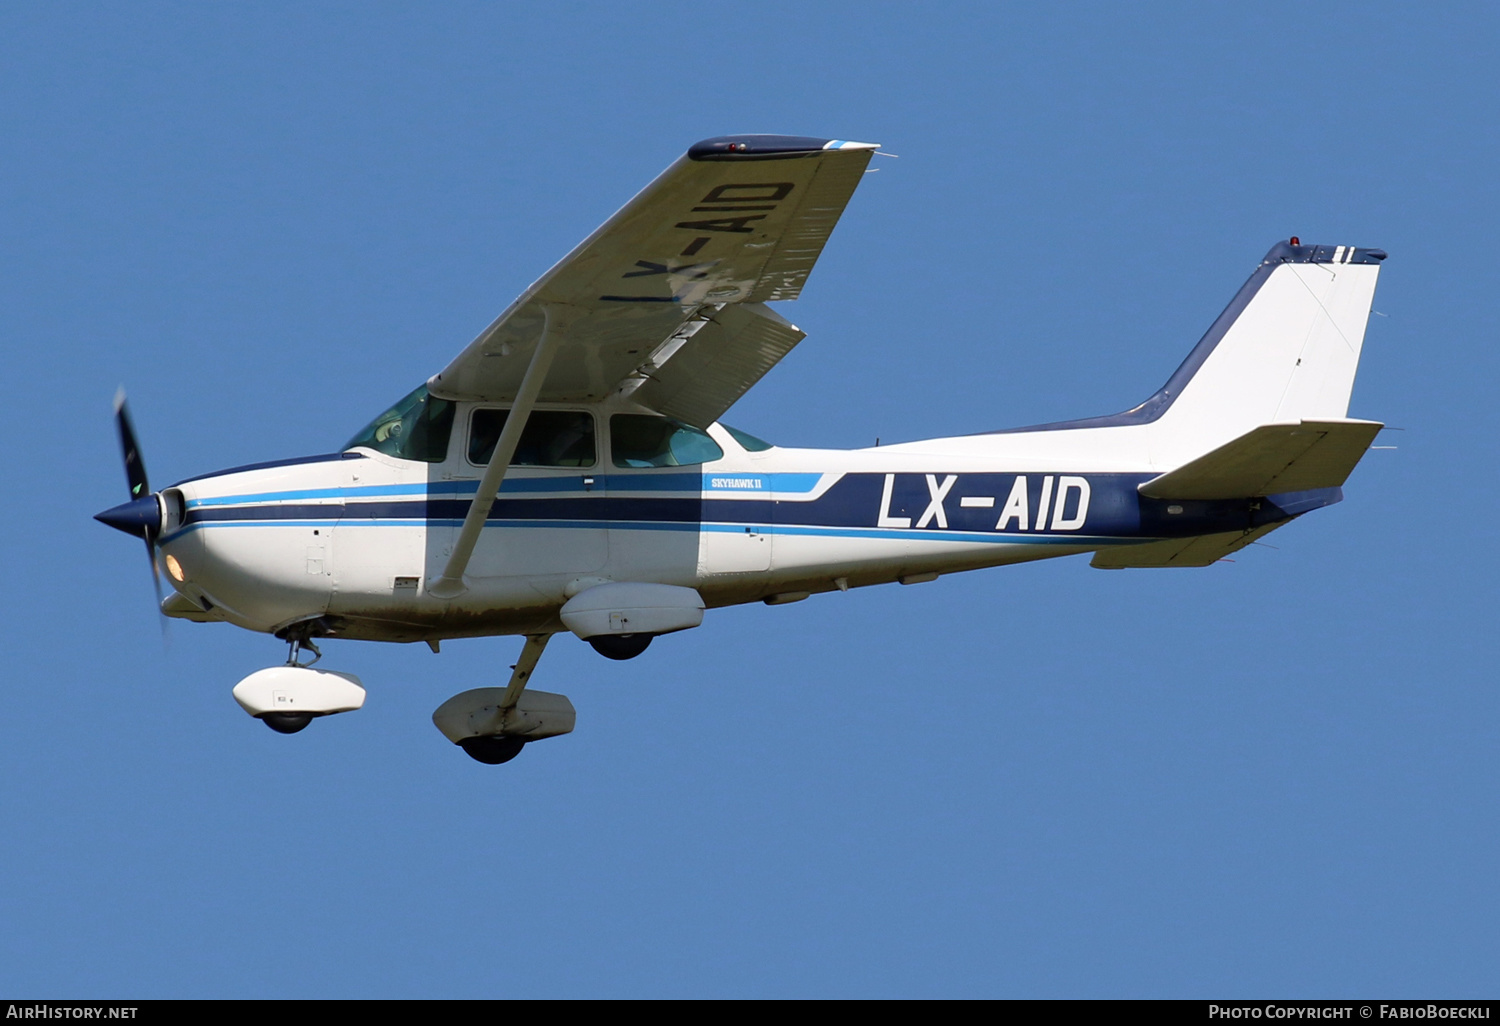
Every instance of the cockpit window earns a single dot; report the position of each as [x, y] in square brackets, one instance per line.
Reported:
[416, 428]
[641, 441]
[553, 438]
[748, 441]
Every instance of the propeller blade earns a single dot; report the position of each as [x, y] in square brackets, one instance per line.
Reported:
[135, 467]
[161, 616]
[141, 515]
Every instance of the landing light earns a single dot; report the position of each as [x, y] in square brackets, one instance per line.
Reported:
[175, 569]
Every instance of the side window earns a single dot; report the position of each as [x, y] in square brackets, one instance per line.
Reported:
[416, 428]
[641, 441]
[553, 438]
[746, 439]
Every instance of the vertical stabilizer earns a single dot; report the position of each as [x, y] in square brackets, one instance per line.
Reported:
[1286, 349]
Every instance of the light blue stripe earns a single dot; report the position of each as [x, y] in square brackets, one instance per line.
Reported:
[236, 500]
[617, 483]
[434, 488]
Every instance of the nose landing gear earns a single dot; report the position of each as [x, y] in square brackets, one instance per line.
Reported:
[287, 698]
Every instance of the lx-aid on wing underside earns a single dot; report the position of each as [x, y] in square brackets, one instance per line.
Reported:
[666, 298]
[665, 302]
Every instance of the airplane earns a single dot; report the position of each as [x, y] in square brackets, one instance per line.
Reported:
[568, 471]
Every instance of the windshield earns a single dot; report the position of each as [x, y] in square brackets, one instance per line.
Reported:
[416, 428]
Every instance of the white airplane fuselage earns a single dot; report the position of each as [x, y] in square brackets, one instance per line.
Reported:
[565, 471]
[351, 540]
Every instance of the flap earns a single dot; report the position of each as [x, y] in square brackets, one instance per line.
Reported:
[721, 356]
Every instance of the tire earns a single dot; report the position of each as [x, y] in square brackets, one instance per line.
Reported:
[620, 646]
[287, 723]
[492, 751]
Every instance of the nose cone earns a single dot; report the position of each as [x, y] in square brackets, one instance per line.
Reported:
[139, 517]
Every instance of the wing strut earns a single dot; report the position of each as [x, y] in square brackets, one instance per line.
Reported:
[451, 584]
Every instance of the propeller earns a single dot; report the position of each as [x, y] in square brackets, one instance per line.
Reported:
[141, 515]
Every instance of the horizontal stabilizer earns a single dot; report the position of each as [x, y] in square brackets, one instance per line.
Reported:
[1270, 460]
[1203, 550]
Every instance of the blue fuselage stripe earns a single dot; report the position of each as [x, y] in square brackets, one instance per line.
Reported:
[975, 507]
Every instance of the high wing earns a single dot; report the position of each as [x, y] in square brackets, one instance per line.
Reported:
[666, 299]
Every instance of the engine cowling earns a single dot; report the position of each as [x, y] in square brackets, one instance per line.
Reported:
[623, 608]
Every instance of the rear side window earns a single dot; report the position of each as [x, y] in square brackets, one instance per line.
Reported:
[746, 439]
[640, 441]
[553, 438]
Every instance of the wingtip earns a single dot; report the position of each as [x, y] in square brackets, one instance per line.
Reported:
[760, 147]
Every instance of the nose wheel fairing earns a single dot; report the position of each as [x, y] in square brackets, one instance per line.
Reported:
[287, 698]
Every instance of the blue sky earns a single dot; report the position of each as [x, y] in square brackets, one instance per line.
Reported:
[1269, 777]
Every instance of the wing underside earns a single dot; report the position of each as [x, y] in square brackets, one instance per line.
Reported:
[665, 301]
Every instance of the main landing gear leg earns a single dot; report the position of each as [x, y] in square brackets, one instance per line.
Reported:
[500, 748]
[492, 725]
